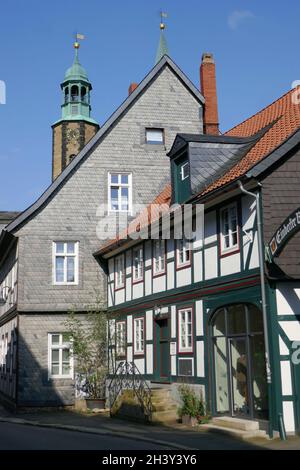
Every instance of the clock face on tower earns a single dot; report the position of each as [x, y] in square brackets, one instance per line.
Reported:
[72, 135]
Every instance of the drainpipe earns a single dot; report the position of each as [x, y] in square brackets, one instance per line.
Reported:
[261, 256]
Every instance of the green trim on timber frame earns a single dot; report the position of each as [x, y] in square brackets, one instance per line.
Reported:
[195, 290]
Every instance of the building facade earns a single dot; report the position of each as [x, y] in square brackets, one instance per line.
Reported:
[215, 311]
[47, 266]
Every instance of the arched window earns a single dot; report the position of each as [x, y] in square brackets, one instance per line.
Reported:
[69, 159]
[66, 94]
[74, 93]
[83, 94]
[239, 361]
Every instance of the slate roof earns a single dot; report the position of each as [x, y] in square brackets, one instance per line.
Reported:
[277, 127]
[211, 156]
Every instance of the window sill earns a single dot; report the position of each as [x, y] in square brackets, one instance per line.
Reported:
[230, 251]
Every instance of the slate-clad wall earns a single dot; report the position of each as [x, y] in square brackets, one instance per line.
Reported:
[6, 277]
[71, 213]
[34, 386]
[281, 196]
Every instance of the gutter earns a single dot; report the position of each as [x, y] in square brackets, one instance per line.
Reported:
[261, 255]
[256, 196]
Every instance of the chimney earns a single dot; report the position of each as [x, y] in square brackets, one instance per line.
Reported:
[132, 87]
[209, 91]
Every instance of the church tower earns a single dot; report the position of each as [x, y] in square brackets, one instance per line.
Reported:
[76, 127]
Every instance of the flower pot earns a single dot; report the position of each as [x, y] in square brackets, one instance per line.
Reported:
[189, 420]
[95, 404]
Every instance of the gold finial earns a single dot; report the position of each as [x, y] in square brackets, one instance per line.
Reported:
[77, 37]
[162, 23]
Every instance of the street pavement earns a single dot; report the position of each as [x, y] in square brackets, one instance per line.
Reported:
[64, 429]
[24, 437]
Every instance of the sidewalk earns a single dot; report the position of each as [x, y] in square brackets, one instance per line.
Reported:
[176, 436]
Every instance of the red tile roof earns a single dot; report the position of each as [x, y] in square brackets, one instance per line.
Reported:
[285, 116]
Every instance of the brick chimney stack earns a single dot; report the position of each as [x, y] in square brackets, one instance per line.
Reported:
[209, 91]
[132, 87]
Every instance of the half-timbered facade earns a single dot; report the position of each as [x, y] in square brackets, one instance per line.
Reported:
[219, 312]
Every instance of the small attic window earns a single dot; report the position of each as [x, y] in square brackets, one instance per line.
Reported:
[185, 171]
[154, 136]
[74, 109]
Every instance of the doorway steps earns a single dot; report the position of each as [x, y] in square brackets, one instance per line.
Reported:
[164, 408]
[240, 428]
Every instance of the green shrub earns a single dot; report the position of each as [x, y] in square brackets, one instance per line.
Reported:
[192, 405]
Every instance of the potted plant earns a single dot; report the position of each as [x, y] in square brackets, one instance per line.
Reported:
[192, 409]
[89, 348]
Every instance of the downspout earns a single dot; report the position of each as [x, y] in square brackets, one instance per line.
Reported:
[261, 257]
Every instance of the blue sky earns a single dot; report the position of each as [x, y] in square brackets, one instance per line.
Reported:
[255, 44]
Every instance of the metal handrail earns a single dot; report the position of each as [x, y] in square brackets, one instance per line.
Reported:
[128, 377]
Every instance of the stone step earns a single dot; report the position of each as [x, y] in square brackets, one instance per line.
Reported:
[169, 406]
[236, 423]
[234, 432]
[160, 392]
[164, 416]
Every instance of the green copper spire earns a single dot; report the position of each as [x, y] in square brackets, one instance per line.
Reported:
[76, 89]
[162, 45]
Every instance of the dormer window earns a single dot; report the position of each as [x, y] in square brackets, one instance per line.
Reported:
[185, 171]
[154, 136]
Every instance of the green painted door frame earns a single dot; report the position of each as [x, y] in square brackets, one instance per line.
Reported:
[162, 359]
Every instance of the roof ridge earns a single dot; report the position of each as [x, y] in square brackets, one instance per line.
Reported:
[259, 112]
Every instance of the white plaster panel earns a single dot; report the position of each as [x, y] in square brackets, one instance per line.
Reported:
[200, 358]
[288, 416]
[149, 325]
[197, 265]
[286, 378]
[159, 284]
[210, 228]
[230, 264]
[149, 358]
[184, 276]
[173, 321]
[199, 317]
[211, 262]
[129, 329]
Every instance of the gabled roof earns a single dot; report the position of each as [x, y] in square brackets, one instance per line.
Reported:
[164, 62]
[277, 127]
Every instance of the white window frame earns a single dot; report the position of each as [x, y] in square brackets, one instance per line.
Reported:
[186, 359]
[119, 273]
[121, 338]
[60, 346]
[159, 130]
[183, 316]
[65, 255]
[139, 340]
[186, 249]
[159, 257]
[138, 270]
[120, 185]
[232, 246]
[182, 171]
